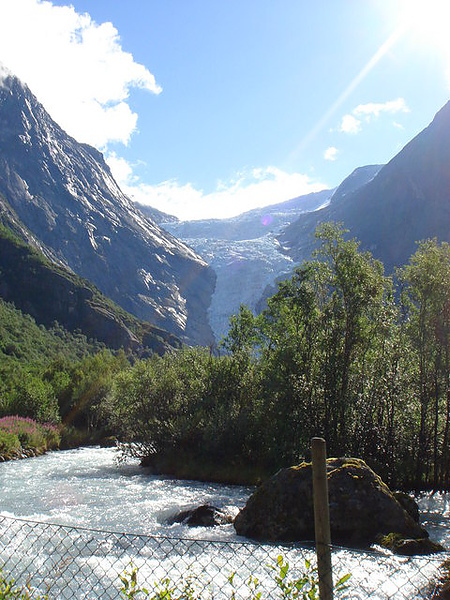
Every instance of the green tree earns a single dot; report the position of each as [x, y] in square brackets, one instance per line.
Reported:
[242, 333]
[426, 297]
[324, 330]
[357, 291]
[34, 398]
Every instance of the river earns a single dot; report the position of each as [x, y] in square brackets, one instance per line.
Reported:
[86, 488]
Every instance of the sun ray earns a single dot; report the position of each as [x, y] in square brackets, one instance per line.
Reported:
[354, 83]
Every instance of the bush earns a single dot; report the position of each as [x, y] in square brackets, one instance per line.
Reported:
[32, 397]
[9, 443]
[29, 434]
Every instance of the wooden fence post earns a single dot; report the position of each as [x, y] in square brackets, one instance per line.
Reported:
[322, 518]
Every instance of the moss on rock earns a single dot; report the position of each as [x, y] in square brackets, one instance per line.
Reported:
[361, 507]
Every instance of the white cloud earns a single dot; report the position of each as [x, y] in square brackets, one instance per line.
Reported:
[331, 153]
[374, 109]
[352, 123]
[75, 67]
[120, 168]
[252, 189]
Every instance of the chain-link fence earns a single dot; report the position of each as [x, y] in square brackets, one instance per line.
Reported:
[67, 563]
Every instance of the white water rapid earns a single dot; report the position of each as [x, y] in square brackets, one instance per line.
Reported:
[86, 488]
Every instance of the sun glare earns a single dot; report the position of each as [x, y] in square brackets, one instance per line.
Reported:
[428, 21]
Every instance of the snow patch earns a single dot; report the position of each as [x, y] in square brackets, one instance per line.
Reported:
[146, 278]
[90, 227]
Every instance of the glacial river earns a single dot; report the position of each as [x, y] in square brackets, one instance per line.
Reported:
[89, 493]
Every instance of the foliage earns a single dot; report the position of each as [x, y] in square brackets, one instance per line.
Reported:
[23, 341]
[426, 304]
[9, 444]
[49, 375]
[130, 588]
[304, 586]
[80, 387]
[9, 590]
[341, 351]
[25, 351]
[33, 397]
[31, 435]
[19, 436]
[187, 403]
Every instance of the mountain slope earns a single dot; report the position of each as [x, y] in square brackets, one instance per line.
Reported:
[64, 194]
[49, 293]
[407, 201]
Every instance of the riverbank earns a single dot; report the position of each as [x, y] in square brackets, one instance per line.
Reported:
[184, 468]
[25, 438]
[21, 453]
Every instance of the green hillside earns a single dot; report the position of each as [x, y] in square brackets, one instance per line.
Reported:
[22, 341]
[49, 292]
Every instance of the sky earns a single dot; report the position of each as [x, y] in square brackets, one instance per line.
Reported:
[208, 108]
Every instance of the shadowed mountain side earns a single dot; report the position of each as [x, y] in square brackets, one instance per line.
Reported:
[407, 201]
[50, 293]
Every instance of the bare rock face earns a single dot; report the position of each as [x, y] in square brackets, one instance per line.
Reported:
[362, 508]
[65, 196]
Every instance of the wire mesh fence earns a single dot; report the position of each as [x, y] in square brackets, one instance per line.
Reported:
[77, 563]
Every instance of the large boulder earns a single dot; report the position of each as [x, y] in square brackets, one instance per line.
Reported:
[362, 508]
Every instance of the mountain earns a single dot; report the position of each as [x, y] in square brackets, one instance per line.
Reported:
[62, 195]
[155, 215]
[408, 200]
[244, 252]
[251, 224]
[49, 292]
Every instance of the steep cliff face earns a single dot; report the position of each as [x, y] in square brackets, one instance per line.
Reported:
[65, 195]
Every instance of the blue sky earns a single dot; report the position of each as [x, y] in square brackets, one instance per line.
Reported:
[206, 108]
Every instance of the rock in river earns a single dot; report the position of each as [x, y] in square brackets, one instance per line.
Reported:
[202, 516]
[362, 507]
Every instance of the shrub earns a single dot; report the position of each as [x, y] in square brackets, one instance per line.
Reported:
[29, 434]
[9, 443]
[32, 397]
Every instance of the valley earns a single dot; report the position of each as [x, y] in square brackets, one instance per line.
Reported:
[179, 356]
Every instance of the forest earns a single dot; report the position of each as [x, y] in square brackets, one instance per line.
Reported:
[341, 350]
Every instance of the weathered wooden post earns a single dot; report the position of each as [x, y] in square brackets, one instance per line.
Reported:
[322, 518]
